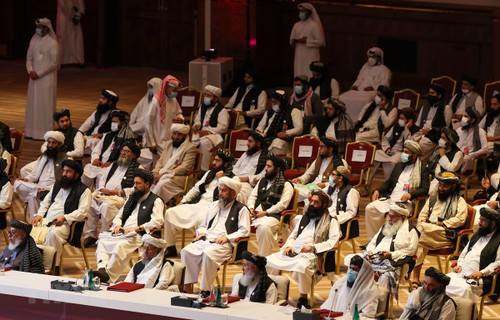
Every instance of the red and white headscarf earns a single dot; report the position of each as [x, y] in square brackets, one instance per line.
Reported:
[160, 94]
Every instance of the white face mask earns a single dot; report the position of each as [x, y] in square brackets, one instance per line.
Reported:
[464, 121]
[377, 100]
[114, 126]
[401, 123]
[442, 143]
[372, 61]
[465, 91]
[276, 107]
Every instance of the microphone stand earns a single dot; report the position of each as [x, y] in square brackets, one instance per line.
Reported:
[331, 306]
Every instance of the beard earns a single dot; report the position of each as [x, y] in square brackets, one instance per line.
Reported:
[252, 150]
[177, 143]
[248, 278]
[323, 156]
[138, 194]
[391, 230]
[124, 162]
[67, 183]
[217, 169]
[102, 108]
[51, 153]
[64, 129]
[484, 231]
[442, 195]
[271, 175]
[13, 245]
[313, 212]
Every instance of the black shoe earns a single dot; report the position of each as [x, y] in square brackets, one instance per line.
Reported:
[171, 252]
[89, 242]
[493, 297]
[303, 303]
[102, 275]
[205, 294]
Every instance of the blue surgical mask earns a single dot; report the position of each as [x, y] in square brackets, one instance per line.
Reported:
[351, 276]
[172, 95]
[405, 157]
[38, 31]
[151, 92]
[298, 89]
[207, 101]
[331, 183]
[302, 15]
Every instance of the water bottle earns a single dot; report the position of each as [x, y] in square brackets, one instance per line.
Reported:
[347, 315]
[91, 279]
[355, 315]
[211, 299]
[218, 298]
[86, 279]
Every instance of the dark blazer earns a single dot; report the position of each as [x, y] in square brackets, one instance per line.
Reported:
[389, 185]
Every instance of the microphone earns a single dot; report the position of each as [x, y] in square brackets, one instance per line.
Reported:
[331, 306]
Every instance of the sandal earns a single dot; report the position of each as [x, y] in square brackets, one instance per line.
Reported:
[415, 285]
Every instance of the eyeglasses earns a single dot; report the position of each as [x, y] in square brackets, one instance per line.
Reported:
[126, 151]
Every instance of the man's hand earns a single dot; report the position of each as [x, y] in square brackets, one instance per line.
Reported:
[153, 150]
[405, 197]
[196, 127]
[221, 240]
[354, 88]
[287, 250]
[302, 40]
[426, 130]
[307, 249]
[219, 174]
[253, 213]
[389, 150]
[375, 195]
[129, 230]
[321, 185]
[117, 229]
[384, 255]
[409, 124]
[476, 275]
[59, 220]
[36, 220]
[203, 133]
[198, 237]
[178, 120]
[259, 214]
[96, 163]
[157, 176]
[369, 89]
[106, 192]
[492, 204]
[282, 135]
[485, 182]
[457, 269]
[442, 152]
[97, 135]
[295, 180]
[106, 164]
[22, 179]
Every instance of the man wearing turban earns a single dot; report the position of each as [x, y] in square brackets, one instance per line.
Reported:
[139, 118]
[6, 189]
[42, 63]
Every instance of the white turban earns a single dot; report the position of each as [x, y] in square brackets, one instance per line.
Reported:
[399, 209]
[159, 243]
[216, 91]
[179, 127]
[414, 147]
[376, 51]
[56, 135]
[230, 183]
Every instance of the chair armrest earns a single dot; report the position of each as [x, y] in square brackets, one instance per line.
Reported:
[497, 270]
[287, 212]
[366, 166]
[241, 239]
[465, 231]
[479, 201]
[453, 264]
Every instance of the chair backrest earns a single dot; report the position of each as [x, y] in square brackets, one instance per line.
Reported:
[13, 166]
[359, 155]
[189, 99]
[238, 142]
[305, 150]
[294, 202]
[179, 271]
[406, 98]
[282, 286]
[75, 234]
[233, 114]
[48, 256]
[489, 88]
[17, 137]
[471, 214]
[448, 83]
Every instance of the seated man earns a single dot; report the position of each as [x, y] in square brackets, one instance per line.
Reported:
[433, 117]
[6, 189]
[323, 85]
[336, 124]
[67, 202]
[356, 288]
[108, 148]
[372, 75]
[5, 137]
[464, 98]
[46, 171]
[254, 284]
[99, 121]
[153, 270]
[308, 102]
[210, 124]
[112, 189]
[226, 220]
[280, 124]
[268, 199]
[21, 253]
[249, 99]
[318, 173]
[5, 155]
[490, 124]
[446, 157]
[441, 217]
[475, 267]
[408, 181]
[142, 213]
[472, 140]
[190, 213]
[431, 300]
[317, 232]
[376, 116]
[393, 142]
[392, 247]
[177, 158]
[140, 115]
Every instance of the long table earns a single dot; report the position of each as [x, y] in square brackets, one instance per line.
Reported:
[29, 296]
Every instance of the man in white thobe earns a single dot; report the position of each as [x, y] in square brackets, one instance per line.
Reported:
[66, 203]
[139, 118]
[317, 232]
[142, 213]
[269, 198]
[46, 171]
[226, 220]
[211, 122]
[307, 37]
[69, 31]
[42, 62]
[176, 160]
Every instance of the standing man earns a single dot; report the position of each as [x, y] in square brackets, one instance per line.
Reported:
[69, 31]
[139, 118]
[42, 62]
[307, 37]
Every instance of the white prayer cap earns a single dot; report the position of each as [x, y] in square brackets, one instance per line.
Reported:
[216, 91]
[56, 135]
[179, 127]
[159, 243]
[399, 208]
[230, 183]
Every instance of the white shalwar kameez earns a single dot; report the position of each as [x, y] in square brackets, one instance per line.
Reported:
[6, 196]
[70, 35]
[466, 145]
[246, 167]
[42, 177]
[42, 58]
[478, 105]
[57, 236]
[267, 227]
[303, 265]
[113, 252]
[91, 172]
[206, 255]
[255, 110]
[271, 293]
[91, 142]
[280, 146]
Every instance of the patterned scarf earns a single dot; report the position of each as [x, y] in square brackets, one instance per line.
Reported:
[431, 308]
[32, 259]
[416, 175]
[345, 132]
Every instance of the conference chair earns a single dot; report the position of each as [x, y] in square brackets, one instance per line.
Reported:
[304, 152]
[448, 83]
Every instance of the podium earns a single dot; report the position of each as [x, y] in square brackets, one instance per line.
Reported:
[217, 72]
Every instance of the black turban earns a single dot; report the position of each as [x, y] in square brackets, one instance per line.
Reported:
[409, 113]
[278, 95]
[145, 175]
[438, 88]
[450, 134]
[26, 227]
[278, 161]
[227, 157]
[133, 147]
[469, 79]
[259, 261]
[437, 275]
[75, 165]
[330, 143]
[256, 136]
[317, 66]
[110, 95]
[387, 92]
[357, 260]
[61, 113]
[490, 214]
[120, 114]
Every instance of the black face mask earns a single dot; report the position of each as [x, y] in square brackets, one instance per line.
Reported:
[432, 100]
